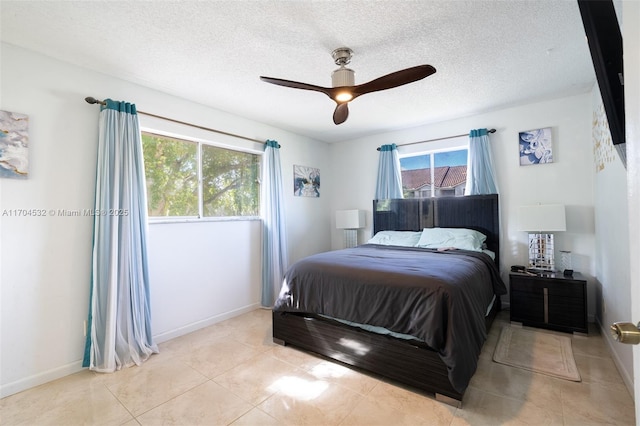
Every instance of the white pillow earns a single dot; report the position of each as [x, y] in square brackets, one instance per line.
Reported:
[460, 238]
[396, 238]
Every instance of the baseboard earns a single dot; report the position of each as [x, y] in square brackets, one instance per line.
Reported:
[189, 328]
[627, 378]
[40, 378]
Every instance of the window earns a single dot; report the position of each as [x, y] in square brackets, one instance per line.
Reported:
[434, 173]
[193, 179]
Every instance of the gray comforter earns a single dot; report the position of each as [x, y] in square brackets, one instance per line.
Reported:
[440, 298]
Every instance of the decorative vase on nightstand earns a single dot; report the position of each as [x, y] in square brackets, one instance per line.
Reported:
[565, 263]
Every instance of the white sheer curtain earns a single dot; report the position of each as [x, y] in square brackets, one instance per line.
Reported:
[119, 309]
[480, 172]
[389, 183]
[274, 239]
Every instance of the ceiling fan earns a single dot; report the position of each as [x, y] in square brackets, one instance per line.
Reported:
[344, 89]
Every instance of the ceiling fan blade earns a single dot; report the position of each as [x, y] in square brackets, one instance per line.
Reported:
[395, 79]
[341, 113]
[297, 85]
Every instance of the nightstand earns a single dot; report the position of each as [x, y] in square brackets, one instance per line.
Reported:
[551, 301]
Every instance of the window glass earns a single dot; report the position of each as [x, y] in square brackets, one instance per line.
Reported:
[434, 174]
[229, 185]
[229, 182]
[171, 170]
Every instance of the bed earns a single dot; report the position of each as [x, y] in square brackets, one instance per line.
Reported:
[415, 315]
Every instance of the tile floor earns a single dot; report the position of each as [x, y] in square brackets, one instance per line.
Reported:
[232, 374]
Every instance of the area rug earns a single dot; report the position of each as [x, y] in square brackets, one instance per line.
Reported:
[537, 351]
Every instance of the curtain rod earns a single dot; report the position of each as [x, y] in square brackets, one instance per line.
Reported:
[92, 100]
[439, 139]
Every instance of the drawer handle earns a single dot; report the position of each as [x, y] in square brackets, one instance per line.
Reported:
[546, 305]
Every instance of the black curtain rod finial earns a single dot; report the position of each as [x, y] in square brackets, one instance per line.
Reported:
[92, 100]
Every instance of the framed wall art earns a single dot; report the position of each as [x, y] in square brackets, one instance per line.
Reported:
[306, 181]
[14, 145]
[535, 146]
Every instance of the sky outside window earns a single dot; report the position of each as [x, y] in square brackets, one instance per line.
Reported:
[448, 158]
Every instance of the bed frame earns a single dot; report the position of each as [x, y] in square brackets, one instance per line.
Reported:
[407, 362]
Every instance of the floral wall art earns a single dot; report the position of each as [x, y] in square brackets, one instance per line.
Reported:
[535, 146]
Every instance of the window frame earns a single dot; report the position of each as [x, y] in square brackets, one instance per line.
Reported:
[200, 142]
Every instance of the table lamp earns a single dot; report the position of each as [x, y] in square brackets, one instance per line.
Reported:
[350, 221]
[540, 221]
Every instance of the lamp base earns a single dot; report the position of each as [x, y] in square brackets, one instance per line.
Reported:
[541, 252]
[350, 238]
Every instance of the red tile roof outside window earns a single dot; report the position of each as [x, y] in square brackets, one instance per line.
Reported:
[444, 177]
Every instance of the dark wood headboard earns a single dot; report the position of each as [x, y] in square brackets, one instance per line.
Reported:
[479, 212]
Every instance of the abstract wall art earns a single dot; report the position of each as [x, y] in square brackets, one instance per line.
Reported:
[306, 181]
[14, 145]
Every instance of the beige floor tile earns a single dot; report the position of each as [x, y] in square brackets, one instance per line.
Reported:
[256, 417]
[296, 357]
[516, 383]
[370, 413]
[206, 404]
[485, 409]
[157, 381]
[593, 345]
[80, 398]
[393, 397]
[192, 341]
[344, 376]
[597, 403]
[218, 356]
[597, 370]
[258, 336]
[303, 400]
[256, 318]
[257, 379]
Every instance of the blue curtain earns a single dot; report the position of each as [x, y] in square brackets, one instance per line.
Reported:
[119, 309]
[389, 184]
[274, 238]
[480, 172]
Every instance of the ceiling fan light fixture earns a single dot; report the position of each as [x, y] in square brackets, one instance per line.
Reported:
[343, 96]
[343, 77]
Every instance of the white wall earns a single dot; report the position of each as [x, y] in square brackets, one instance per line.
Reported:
[200, 272]
[568, 180]
[612, 238]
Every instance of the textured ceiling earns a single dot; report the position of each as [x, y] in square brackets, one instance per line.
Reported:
[488, 54]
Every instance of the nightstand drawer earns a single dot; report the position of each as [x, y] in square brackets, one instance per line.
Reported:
[533, 285]
[555, 302]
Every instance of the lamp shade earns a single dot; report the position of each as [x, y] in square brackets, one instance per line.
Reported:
[542, 217]
[349, 219]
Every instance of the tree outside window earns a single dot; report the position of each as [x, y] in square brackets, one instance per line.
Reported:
[229, 184]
